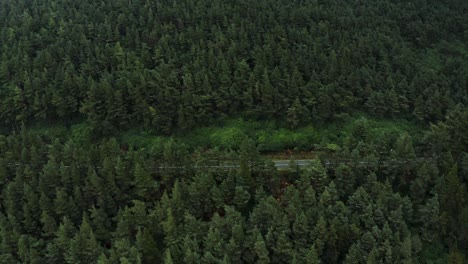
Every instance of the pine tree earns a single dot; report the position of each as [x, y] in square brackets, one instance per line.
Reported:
[300, 230]
[191, 250]
[64, 235]
[345, 180]
[297, 114]
[213, 245]
[316, 172]
[100, 223]
[83, 247]
[241, 197]
[453, 199]
[171, 236]
[261, 250]
[147, 246]
[61, 203]
[312, 256]
[406, 250]
[49, 177]
[49, 226]
[367, 242]
[103, 259]
[144, 183]
[282, 250]
[23, 249]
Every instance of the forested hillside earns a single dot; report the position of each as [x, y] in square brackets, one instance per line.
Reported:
[112, 111]
[177, 64]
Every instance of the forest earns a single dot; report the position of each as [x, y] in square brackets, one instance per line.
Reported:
[139, 131]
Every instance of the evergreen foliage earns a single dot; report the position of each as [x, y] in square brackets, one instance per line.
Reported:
[76, 75]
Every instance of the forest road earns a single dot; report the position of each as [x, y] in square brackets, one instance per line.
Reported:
[284, 164]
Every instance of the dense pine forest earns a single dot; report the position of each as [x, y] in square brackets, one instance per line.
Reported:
[143, 131]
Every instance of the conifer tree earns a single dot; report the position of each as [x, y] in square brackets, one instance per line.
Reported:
[83, 247]
[261, 250]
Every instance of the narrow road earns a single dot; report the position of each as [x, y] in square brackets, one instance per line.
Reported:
[284, 164]
[279, 164]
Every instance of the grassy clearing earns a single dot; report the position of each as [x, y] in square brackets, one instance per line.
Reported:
[272, 139]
